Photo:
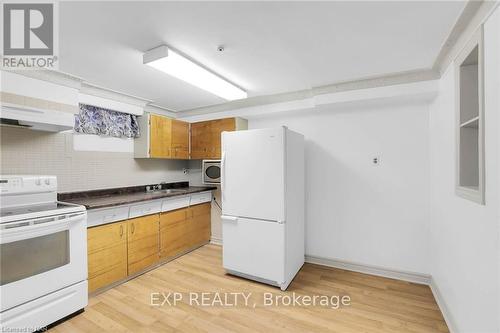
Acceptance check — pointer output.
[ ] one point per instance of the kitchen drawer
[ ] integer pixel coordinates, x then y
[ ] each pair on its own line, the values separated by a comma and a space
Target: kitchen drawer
148, 208
175, 203
199, 198
107, 215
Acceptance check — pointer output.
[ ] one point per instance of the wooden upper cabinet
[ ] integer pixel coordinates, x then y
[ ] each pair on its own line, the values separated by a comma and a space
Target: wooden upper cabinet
179, 139
201, 139
206, 136
160, 136
163, 137
219, 126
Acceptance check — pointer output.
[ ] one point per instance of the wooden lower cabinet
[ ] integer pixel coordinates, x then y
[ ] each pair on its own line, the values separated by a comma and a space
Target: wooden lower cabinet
121, 249
107, 254
174, 232
143, 242
200, 227
184, 229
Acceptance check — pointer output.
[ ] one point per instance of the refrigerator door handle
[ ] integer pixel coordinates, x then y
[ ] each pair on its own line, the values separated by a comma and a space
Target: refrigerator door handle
223, 176
233, 219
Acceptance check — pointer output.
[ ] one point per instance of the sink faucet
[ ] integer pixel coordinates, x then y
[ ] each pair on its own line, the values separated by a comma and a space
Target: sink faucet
152, 188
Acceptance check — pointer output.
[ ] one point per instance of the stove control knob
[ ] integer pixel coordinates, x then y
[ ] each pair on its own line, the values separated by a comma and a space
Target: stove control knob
47, 181
38, 182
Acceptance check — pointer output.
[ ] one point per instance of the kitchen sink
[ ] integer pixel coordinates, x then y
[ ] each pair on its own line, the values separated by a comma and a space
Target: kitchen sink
158, 189
172, 190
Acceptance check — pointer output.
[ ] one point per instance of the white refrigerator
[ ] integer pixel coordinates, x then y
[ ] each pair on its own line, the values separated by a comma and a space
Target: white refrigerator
262, 184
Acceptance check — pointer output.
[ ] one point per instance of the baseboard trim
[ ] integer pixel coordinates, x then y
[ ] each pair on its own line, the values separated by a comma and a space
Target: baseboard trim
370, 269
216, 241
448, 318
392, 274
383, 272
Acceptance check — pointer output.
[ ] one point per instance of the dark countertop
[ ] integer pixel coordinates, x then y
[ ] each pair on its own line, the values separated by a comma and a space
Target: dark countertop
126, 195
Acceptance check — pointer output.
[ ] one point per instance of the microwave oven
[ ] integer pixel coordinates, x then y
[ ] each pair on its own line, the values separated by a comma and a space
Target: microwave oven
211, 171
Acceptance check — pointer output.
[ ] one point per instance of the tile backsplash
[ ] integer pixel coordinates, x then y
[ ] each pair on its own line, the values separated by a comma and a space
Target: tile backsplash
24, 151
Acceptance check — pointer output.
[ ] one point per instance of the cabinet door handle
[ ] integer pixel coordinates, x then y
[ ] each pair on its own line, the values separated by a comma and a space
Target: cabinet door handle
133, 228
121, 231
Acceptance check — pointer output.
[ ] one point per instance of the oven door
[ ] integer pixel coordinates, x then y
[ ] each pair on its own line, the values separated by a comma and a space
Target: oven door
211, 171
40, 256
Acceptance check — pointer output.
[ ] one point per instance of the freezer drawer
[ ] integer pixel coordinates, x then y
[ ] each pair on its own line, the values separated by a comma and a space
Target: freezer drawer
254, 247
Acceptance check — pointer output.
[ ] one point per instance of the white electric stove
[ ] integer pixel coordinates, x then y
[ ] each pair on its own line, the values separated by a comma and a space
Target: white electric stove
43, 254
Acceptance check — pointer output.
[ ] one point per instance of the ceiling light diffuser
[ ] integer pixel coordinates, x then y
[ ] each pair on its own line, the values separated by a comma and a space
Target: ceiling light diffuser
172, 63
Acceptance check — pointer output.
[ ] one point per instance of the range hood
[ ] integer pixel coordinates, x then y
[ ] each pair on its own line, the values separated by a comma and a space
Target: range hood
36, 119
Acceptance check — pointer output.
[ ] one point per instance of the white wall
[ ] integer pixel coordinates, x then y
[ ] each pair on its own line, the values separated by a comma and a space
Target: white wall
24, 151
357, 212
464, 236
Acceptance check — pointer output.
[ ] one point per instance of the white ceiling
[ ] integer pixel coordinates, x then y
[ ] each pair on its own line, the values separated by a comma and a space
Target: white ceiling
270, 47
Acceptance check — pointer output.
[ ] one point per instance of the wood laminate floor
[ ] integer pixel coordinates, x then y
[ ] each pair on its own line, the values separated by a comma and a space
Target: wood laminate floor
376, 304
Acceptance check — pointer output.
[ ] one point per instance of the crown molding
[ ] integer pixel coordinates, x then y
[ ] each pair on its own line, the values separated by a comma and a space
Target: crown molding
457, 30
56, 77
473, 15
83, 87
152, 108
283, 99
98, 91
414, 92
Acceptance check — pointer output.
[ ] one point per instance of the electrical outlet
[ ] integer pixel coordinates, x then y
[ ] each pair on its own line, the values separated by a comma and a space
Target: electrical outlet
376, 161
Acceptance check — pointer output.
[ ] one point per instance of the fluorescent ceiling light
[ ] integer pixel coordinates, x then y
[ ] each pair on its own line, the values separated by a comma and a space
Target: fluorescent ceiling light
172, 63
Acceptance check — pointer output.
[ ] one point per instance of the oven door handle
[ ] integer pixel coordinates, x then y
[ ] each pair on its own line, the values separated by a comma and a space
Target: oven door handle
37, 227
